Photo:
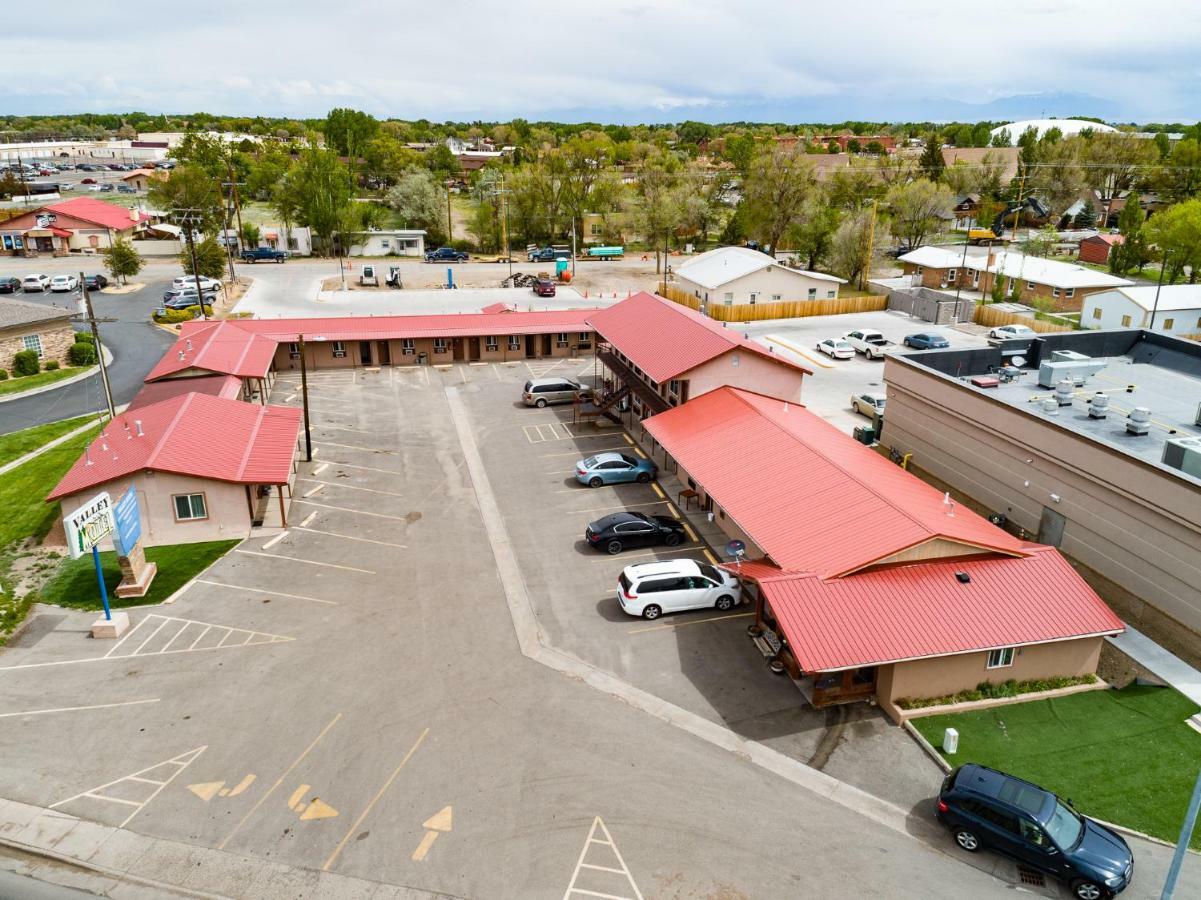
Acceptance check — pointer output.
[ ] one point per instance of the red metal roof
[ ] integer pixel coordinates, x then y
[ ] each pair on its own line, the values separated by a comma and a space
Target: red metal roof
665, 339
814, 499
922, 610
228, 387
498, 308
225, 347
89, 209
193, 434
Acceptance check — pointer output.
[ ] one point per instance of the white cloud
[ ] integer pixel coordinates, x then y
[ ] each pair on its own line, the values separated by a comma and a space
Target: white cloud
654, 59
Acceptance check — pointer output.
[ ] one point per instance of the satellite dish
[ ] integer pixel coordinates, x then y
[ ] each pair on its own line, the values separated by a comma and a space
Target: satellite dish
736, 549
1019, 361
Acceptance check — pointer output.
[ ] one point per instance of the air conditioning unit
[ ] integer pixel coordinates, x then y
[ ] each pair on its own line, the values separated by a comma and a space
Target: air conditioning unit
339, 354
1183, 454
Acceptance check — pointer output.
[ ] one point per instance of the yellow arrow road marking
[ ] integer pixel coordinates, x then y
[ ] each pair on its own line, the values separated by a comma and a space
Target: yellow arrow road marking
242, 785
297, 795
424, 847
206, 791
440, 821
318, 810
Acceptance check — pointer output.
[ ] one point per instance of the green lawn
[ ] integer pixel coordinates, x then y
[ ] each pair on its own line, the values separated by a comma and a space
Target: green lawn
1123, 756
17, 444
75, 583
41, 379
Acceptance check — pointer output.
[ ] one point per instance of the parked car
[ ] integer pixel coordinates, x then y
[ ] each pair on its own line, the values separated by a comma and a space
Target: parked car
544, 287
548, 254
986, 808
125, 189
182, 298
837, 348
35, 283
651, 589
619, 531
95, 282
262, 254
208, 285
868, 404
62, 283
9, 284
541, 391
87, 180
926, 340
446, 254
871, 344
614, 468
1012, 332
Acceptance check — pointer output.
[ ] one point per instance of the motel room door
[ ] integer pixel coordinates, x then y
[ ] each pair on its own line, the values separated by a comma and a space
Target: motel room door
458, 349
546, 345
473, 349
385, 353
531, 346
365, 353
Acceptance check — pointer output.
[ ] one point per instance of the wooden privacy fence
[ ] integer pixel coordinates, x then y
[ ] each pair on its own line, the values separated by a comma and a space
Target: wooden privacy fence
991, 318
776, 309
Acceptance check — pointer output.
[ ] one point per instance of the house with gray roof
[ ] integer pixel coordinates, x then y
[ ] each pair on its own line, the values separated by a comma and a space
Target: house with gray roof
34, 326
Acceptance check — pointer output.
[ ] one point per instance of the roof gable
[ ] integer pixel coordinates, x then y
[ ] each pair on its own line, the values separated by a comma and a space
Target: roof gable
223, 348
97, 212
720, 266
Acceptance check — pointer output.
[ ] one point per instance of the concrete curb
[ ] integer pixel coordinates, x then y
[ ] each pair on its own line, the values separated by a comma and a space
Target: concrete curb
533, 644
90, 373
995, 702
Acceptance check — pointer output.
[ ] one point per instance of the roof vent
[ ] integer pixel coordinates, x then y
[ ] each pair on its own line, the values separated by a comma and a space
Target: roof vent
1050, 407
948, 503
1065, 391
1138, 421
188, 345
137, 426
1098, 406
963, 577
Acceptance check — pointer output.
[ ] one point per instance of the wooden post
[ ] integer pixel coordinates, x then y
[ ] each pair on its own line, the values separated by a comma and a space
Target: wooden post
283, 515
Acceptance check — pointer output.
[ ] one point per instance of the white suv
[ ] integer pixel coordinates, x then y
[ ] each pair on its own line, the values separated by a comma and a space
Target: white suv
62, 283
208, 285
651, 589
35, 283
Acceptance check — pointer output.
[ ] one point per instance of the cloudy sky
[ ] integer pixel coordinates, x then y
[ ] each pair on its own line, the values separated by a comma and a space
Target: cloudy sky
612, 60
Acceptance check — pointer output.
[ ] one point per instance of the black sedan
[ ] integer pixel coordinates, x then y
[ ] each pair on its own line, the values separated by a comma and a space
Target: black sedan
9, 285
618, 531
95, 282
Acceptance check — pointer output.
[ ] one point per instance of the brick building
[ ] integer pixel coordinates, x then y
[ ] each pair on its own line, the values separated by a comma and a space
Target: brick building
32, 326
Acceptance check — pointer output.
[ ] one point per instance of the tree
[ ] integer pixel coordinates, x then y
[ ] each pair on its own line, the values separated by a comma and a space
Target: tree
1133, 252
347, 131
1059, 179
777, 186
852, 243
853, 146
917, 208
420, 202
122, 260
1180, 177
997, 291
386, 158
210, 259
443, 163
1028, 155
1001, 139
190, 197
851, 187
814, 236
1176, 232
1041, 242
1163, 144
657, 208
931, 162
1087, 217
320, 189
1113, 161
875, 148
250, 234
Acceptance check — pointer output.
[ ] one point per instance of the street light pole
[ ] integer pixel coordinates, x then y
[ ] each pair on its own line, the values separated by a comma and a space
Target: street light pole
1163, 264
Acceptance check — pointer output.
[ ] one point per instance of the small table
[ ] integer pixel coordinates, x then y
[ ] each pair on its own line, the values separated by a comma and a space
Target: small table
685, 498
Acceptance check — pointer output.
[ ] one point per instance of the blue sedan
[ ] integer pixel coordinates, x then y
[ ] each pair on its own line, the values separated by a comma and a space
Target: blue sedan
614, 468
926, 340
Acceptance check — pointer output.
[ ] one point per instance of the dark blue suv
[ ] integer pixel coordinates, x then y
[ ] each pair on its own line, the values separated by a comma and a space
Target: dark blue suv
987, 808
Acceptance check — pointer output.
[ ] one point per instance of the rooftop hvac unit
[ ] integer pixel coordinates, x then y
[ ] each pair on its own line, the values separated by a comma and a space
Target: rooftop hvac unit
1067, 356
1054, 371
1065, 391
1138, 421
1183, 454
1098, 406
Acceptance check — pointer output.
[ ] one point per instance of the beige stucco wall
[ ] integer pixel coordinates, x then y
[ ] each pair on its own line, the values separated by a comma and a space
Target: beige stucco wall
788, 283
942, 675
751, 372
57, 338
1131, 522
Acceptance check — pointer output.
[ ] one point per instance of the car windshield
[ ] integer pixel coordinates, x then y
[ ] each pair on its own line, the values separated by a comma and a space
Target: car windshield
1065, 826
711, 573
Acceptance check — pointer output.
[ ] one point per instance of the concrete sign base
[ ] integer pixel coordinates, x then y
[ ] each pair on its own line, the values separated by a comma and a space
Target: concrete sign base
111, 628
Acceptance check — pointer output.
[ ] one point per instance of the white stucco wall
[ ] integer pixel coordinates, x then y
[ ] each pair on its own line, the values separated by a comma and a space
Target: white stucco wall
764, 284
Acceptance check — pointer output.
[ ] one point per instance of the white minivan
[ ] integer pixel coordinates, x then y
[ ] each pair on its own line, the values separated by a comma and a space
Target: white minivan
651, 589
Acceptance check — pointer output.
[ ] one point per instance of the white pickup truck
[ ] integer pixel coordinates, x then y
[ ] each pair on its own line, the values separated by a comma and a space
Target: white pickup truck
871, 344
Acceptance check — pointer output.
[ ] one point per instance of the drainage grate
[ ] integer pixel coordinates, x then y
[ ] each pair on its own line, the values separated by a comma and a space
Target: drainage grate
1031, 877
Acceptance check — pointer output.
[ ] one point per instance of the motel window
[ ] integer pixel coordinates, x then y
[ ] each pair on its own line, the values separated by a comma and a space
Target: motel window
830, 295
33, 342
339, 349
728, 298
1096, 312
294, 350
561, 339
514, 342
439, 345
777, 297
1168, 323
812, 293
189, 507
585, 336
674, 386
490, 342
1069, 292
1125, 321
1000, 658
408, 346
952, 274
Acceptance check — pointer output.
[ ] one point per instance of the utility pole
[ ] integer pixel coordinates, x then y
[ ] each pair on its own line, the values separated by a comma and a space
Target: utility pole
188, 218
871, 246
229, 250
1163, 264
304, 393
1017, 213
504, 221
92, 323
573, 253
237, 206
1182, 843
450, 228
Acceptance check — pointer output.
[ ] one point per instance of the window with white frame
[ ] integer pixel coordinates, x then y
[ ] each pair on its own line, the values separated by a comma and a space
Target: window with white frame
952, 274
1125, 321
595, 229
754, 297
561, 339
408, 346
1070, 292
673, 386
812, 293
1000, 658
440, 345
728, 298
1096, 312
490, 342
777, 297
514, 342
585, 335
33, 342
1054, 292
340, 347
1030, 285
830, 295
189, 507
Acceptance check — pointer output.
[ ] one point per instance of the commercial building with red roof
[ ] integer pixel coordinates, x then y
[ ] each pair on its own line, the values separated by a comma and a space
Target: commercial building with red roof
876, 584
661, 354
81, 223
205, 467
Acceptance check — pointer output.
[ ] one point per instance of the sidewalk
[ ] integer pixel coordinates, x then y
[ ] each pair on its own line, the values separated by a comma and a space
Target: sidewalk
1171, 668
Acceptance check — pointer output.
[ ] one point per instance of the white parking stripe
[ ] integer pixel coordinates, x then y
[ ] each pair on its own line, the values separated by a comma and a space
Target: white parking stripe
311, 562
357, 512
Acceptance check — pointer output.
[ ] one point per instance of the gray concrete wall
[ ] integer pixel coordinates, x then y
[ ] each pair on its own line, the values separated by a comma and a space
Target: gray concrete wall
1136, 526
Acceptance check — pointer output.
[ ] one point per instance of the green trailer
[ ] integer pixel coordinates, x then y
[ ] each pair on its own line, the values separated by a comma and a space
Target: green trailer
606, 252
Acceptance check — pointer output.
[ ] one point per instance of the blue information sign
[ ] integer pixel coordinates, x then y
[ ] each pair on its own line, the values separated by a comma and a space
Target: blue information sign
129, 522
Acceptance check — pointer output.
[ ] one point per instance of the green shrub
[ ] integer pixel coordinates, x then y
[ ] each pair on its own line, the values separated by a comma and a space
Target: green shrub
85, 337
26, 363
175, 316
82, 354
3, 374
52, 366
988, 690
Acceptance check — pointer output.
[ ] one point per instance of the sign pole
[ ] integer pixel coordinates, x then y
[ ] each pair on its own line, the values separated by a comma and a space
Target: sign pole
108, 615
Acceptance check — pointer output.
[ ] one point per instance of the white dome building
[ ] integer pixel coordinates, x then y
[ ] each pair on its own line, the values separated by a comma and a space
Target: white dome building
1042, 126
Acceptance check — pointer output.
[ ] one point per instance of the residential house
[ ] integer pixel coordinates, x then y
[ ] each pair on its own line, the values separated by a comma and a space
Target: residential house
386, 242
1096, 248
82, 223
967, 207
736, 275
34, 326
141, 179
1177, 309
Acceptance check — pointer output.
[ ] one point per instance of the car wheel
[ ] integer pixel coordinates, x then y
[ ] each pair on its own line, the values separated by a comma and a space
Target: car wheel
967, 840
540, 403
1087, 890
596, 481
673, 540
644, 478
651, 612
725, 603
614, 547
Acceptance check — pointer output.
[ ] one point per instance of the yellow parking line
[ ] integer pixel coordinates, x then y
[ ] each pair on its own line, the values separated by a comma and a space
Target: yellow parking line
711, 557
658, 491
795, 348
691, 534
690, 622
629, 440
638, 450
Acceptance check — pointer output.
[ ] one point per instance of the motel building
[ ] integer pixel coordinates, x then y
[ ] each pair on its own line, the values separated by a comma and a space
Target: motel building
655, 355
868, 584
